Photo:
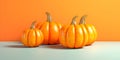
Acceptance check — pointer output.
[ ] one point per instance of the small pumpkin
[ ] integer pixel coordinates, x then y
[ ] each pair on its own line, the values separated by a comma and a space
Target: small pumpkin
32, 37
89, 30
72, 36
50, 30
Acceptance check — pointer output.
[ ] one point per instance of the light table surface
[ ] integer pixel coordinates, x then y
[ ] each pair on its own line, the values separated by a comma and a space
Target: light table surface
98, 51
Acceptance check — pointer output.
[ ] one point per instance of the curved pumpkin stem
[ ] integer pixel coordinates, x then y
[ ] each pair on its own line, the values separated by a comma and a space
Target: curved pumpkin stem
74, 20
49, 19
82, 20
33, 25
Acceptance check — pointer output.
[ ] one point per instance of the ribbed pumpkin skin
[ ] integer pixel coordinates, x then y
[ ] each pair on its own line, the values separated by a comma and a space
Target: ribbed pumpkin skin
91, 35
50, 30
32, 37
72, 36
77, 35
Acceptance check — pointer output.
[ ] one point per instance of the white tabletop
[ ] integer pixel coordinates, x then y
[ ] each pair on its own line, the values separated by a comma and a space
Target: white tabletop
98, 51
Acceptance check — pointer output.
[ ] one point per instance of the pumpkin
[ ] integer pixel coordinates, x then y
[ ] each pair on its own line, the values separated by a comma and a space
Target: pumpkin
50, 30
32, 37
72, 36
89, 30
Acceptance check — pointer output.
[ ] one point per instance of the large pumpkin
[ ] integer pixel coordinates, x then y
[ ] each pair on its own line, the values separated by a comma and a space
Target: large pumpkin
89, 30
72, 36
32, 37
50, 30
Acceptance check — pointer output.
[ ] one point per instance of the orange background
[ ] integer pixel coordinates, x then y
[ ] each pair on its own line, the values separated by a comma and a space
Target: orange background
17, 15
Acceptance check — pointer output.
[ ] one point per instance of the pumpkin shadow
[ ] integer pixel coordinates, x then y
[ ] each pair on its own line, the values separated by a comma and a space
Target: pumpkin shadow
54, 46
57, 47
16, 46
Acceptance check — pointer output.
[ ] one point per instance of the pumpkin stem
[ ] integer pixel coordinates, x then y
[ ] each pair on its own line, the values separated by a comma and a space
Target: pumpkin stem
74, 20
82, 20
33, 25
48, 17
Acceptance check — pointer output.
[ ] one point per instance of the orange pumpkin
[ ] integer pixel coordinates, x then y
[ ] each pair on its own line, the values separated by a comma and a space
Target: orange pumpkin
89, 30
32, 37
72, 36
50, 30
